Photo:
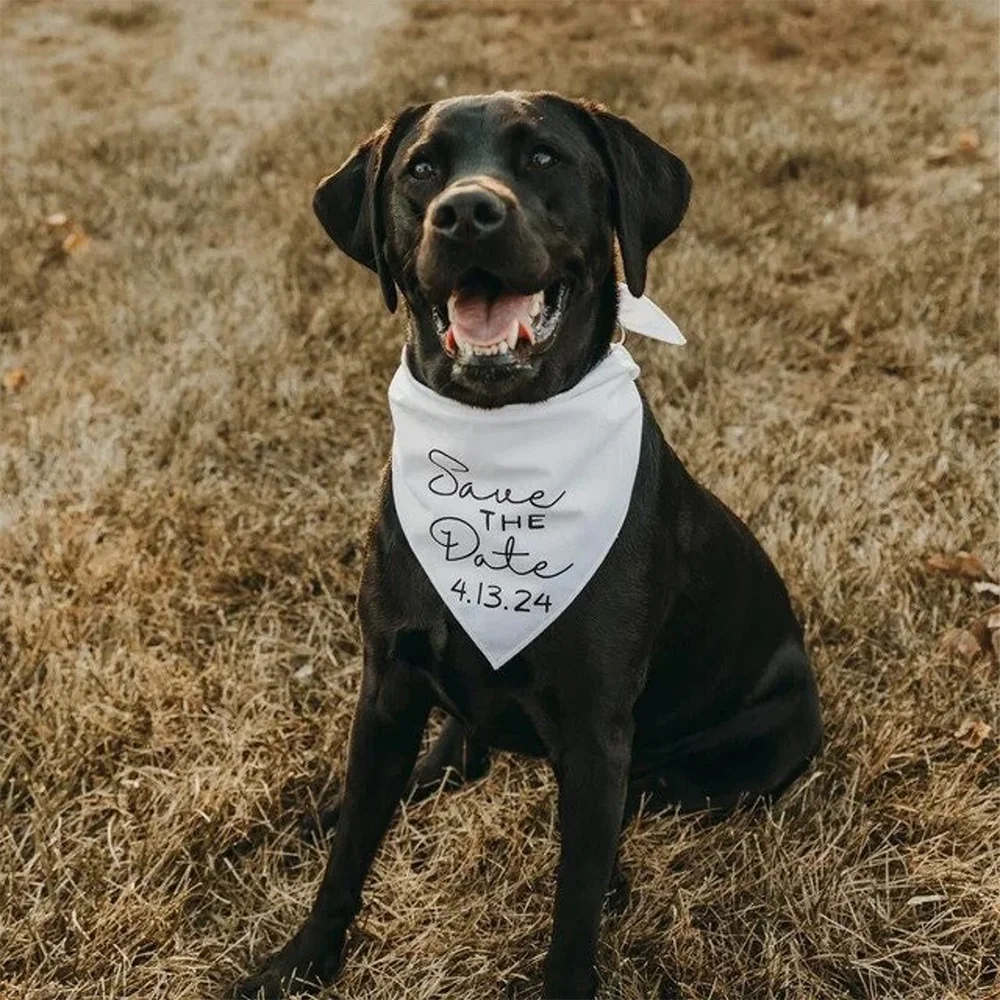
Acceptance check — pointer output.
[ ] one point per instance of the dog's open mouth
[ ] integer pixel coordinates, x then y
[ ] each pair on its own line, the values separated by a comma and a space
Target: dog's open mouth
486, 320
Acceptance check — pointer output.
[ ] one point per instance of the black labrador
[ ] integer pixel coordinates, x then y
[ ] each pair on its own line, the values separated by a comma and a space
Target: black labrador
678, 675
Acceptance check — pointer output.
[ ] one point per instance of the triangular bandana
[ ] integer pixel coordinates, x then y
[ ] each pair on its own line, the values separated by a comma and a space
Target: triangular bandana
510, 511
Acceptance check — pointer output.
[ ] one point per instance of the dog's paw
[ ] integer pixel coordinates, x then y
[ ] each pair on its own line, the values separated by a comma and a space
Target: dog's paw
305, 965
274, 983
558, 991
265, 986
318, 826
572, 981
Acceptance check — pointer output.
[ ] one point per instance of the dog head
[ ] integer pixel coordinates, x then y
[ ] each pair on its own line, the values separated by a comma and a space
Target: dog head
495, 216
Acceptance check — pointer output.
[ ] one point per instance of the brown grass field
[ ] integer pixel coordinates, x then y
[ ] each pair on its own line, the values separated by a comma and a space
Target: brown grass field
194, 420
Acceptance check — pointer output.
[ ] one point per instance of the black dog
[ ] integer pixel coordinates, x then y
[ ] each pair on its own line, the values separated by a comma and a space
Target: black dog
678, 674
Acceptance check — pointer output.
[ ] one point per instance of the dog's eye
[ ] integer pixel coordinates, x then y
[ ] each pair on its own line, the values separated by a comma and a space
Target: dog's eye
542, 158
422, 170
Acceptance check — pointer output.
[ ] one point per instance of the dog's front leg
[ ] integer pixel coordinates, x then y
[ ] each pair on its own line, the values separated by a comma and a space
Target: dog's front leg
389, 719
592, 773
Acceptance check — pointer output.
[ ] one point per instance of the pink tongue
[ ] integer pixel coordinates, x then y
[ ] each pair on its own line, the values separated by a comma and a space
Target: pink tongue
480, 322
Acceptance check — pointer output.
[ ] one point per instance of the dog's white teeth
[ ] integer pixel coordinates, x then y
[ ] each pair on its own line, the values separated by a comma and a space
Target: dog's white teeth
537, 304
464, 348
513, 331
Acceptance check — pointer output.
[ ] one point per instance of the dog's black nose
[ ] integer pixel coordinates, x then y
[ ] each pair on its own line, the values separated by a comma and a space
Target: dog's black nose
468, 213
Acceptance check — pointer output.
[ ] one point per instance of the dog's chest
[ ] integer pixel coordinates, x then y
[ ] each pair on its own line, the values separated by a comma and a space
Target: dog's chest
496, 709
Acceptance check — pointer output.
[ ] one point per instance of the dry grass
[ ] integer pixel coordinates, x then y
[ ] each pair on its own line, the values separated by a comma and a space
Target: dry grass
188, 470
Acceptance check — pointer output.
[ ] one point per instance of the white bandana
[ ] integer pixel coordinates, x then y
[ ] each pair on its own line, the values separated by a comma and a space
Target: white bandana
646, 317
510, 511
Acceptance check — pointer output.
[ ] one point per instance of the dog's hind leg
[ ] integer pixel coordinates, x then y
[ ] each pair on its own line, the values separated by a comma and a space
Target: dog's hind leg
454, 758
751, 756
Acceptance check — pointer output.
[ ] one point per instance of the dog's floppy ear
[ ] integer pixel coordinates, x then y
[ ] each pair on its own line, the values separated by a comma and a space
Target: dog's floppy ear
348, 202
650, 189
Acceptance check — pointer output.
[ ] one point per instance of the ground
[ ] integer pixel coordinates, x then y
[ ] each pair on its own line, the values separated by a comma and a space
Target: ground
194, 420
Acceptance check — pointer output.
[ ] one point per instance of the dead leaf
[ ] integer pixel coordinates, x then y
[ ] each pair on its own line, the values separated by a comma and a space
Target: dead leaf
972, 732
980, 630
987, 588
75, 240
960, 564
56, 219
637, 17
981, 637
941, 467
961, 643
986, 629
15, 379
937, 155
849, 323
967, 141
